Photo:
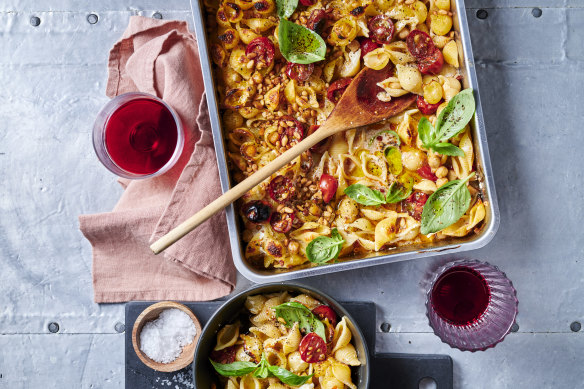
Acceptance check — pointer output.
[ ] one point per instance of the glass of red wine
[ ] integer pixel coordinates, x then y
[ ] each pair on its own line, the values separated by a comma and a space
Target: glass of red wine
471, 305
137, 135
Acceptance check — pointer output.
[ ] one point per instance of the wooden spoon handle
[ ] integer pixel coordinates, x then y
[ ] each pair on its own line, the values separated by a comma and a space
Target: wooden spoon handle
240, 189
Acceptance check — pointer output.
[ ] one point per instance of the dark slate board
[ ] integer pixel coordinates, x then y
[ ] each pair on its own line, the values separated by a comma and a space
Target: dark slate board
401, 371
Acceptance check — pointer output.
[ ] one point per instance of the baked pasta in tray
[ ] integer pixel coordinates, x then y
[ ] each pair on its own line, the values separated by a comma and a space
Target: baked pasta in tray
281, 66
283, 341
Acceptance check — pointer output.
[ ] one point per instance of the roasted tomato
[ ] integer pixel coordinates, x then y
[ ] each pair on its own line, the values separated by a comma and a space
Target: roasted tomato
368, 45
281, 189
431, 64
425, 107
337, 88
426, 172
299, 71
420, 45
256, 211
328, 186
312, 348
414, 205
261, 50
326, 312
225, 356
307, 3
282, 221
321, 146
315, 19
294, 130
264, 7
381, 28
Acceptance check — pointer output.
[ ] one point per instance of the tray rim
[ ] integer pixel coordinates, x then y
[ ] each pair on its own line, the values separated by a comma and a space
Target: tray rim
481, 154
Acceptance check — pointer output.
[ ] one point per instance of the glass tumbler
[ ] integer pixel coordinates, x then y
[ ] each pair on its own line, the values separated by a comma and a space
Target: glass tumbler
471, 305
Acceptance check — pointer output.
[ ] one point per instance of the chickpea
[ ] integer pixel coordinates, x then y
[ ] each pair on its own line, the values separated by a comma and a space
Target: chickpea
443, 4
441, 181
412, 160
440, 24
293, 246
433, 92
434, 161
441, 172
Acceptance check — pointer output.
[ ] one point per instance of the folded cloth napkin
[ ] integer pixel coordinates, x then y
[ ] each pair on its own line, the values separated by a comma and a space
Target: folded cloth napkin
160, 58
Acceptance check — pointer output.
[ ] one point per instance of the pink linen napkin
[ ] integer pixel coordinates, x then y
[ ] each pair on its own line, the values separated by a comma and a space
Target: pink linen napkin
160, 58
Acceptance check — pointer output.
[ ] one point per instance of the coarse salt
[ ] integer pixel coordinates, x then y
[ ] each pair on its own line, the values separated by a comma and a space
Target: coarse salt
163, 339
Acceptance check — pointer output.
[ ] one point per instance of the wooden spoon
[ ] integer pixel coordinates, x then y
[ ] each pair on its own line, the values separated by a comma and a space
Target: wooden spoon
358, 106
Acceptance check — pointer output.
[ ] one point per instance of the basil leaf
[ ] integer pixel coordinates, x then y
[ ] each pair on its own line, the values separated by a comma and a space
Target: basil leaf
235, 369
448, 149
446, 206
262, 371
456, 115
298, 44
397, 193
364, 195
393, 157
286, 8
288, 377
426, 132
294, 312
322, 249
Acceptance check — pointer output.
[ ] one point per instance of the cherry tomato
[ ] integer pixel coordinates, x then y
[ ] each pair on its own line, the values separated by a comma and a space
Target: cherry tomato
415, 204
381, 28
420, 45
337, 88
315, 19
326, 312
432, 63
281, 189
368, 45
307, 3
299, 71
282, 222
312, 348
328, 186
256, 211
263, 48
294, 132
426, 172
425, 107
225, 356
321, 146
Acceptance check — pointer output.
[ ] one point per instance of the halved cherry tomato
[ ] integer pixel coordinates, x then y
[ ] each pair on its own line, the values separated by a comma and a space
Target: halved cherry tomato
426, 172
282, 222
328, 186
298, 71
256, 211
263, 48
420, 45
326, 312
295, 132
381, 28
425, 107
315, 19
337, 88
307, 3
225, 356
415, 204
368, 45
281, 189
431, 64
321, 146
312, 348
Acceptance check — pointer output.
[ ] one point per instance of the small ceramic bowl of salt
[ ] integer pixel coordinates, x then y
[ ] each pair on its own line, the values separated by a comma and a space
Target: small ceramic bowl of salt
165, 336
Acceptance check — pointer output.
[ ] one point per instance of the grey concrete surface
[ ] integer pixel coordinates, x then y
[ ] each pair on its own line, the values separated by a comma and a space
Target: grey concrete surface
52, 81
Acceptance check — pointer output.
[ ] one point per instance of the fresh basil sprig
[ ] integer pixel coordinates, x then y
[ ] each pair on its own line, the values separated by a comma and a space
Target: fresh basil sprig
367, 196
452, 120
263, 369
294, 312
285, 8
298, 44
446, 206
322, 249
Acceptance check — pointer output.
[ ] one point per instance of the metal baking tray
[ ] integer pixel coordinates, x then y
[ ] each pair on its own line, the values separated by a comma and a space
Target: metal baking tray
482, 162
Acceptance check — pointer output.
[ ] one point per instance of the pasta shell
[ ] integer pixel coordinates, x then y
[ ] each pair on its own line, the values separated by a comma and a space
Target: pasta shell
347, 355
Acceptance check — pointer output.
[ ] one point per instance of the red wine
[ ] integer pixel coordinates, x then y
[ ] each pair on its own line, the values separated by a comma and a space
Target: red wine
460, 295
141, 136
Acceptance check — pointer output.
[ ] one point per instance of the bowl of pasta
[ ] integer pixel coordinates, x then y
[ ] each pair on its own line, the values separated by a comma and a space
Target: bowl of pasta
414, 185
281, 335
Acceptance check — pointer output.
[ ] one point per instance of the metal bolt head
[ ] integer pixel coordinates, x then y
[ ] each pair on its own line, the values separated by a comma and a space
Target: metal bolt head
536, 12
575, 326
515, 327
157, 15
482, 14
35, 21
120, 327
385, 327
92, 18
53, 327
